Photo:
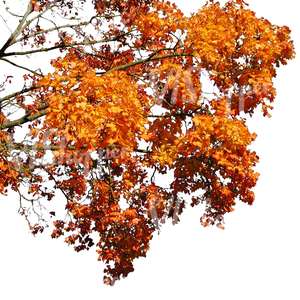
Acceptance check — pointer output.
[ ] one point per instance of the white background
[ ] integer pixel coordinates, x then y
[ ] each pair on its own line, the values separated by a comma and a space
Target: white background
255, 257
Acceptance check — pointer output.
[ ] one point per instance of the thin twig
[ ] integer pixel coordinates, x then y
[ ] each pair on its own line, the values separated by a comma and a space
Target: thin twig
21, 67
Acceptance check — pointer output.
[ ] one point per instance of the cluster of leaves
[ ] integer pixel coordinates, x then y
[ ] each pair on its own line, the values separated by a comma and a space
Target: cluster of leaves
125, 102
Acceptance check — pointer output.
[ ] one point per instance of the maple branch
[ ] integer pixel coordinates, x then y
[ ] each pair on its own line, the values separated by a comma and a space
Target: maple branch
142, 151
56, 28
22, 210
36, 17
15, 94
22, 25
146, 60
38, 147
5, 23
178, 114
60, 46
26, 118
21, 67
18, 30
52, 29
9, 11
57, 183
64, 46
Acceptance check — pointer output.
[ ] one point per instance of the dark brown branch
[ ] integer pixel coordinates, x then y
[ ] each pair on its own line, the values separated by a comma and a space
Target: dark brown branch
146, 60
24, 147
52, 29
21, 67
63, 46
26, 118
15, 94
60, 46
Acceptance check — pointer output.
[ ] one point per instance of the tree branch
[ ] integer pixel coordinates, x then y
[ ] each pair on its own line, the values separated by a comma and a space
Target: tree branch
21, 67
26, 118
64, 46
146, 60
24, 147
53, 29
15, 94
18, 30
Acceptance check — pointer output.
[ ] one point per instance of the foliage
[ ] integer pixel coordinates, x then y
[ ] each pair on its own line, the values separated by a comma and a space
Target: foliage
126, 101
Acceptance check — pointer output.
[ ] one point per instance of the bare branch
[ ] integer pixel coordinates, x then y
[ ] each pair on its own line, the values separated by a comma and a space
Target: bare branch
18, 30
21, 67
6, 25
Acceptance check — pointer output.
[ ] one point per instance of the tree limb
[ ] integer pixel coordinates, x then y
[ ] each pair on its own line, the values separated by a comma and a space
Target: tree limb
15, 94
26, 118
146, 60
21, 67
18, 30
63, 46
